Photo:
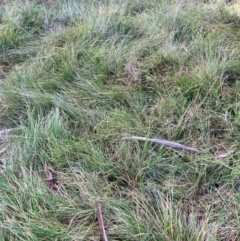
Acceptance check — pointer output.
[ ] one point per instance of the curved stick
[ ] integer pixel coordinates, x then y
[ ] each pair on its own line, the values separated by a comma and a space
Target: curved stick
171, 144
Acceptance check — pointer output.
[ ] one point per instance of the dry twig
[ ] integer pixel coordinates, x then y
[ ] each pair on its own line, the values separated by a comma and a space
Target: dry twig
171, 144
101, 223
175, 145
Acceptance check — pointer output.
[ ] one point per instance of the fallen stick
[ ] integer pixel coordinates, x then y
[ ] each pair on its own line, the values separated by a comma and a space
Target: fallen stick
101, 223
170, 144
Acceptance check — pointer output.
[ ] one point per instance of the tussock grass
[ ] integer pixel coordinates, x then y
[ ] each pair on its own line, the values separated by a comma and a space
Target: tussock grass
76, 76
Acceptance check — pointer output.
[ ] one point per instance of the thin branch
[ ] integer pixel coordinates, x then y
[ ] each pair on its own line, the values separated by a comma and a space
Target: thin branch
170, 144
101, 223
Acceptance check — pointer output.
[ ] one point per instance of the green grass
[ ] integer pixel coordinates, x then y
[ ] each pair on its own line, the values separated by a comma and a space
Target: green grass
76, 77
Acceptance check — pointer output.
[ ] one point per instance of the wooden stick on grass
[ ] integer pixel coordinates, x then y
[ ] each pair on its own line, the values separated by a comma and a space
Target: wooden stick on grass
166, 143
101, 223
175, 145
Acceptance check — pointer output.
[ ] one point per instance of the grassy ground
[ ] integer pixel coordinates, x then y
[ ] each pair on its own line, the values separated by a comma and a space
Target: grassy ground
76, 77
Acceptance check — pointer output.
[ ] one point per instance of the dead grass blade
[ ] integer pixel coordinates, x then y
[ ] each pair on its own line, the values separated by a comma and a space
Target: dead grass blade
224, 155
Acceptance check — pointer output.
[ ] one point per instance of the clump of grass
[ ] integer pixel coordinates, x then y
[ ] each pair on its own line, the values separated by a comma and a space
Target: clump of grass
78, 76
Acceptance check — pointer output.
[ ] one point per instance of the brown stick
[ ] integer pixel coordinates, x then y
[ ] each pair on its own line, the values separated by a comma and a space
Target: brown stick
101, 223
166, 143
175, 145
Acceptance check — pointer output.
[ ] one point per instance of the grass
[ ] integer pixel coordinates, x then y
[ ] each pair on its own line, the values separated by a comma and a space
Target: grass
76, 77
